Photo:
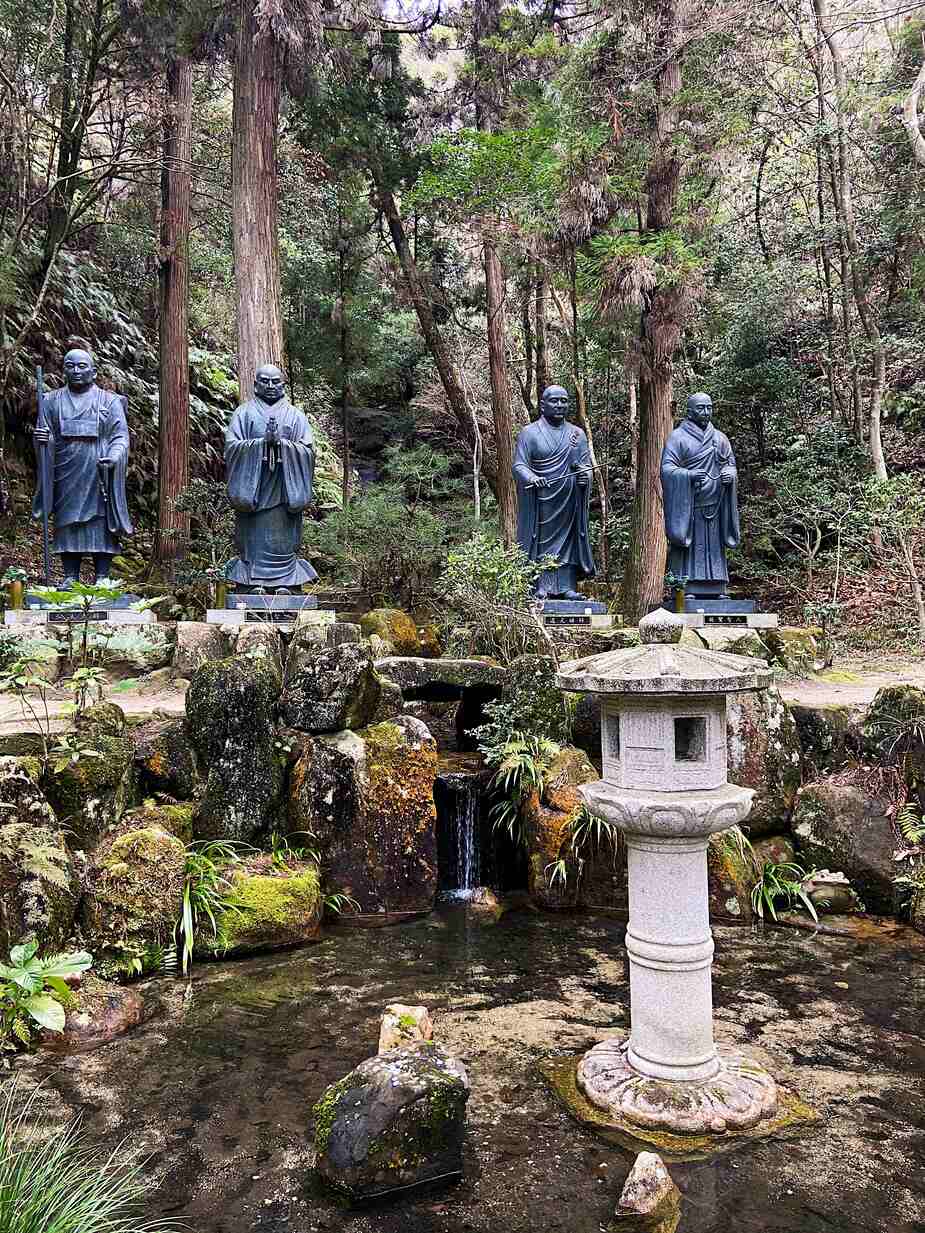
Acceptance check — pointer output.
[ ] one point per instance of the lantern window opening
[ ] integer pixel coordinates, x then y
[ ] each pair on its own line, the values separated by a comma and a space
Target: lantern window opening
690, 738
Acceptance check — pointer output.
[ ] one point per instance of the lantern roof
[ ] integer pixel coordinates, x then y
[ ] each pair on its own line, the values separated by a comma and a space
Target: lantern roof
662, 666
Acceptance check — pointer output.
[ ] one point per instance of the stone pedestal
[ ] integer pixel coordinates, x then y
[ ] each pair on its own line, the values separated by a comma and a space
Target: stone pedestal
565, 612
283, 611
62, 618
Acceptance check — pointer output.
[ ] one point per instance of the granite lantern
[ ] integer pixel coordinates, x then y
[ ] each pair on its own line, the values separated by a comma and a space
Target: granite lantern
665, 787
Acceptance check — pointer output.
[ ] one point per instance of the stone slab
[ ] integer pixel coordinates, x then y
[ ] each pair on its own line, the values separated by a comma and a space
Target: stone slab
74, 617
573, 607
594, 620
560, 1076
281, 619
704, 603
741, 622
274, 603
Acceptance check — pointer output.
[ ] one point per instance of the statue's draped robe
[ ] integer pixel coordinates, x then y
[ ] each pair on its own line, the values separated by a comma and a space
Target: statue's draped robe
89, 511
553, 521
700, 522
269, 499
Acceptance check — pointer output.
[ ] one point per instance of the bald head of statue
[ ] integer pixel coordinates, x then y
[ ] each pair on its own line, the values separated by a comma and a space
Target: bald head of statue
269, 383
79, 369
700, 409
554, 404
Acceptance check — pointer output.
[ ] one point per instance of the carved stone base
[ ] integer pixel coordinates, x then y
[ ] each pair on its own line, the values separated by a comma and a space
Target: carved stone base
739, 1096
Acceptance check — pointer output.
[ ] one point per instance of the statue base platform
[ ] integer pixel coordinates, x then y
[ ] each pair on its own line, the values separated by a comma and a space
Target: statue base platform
43, 617
586, 612
284, 611
717, 604
734, 620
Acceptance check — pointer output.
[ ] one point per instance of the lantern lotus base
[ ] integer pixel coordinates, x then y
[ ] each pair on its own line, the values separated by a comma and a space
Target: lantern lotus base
737, 1097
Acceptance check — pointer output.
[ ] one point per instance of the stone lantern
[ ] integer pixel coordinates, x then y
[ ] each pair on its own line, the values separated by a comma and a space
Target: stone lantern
664, 755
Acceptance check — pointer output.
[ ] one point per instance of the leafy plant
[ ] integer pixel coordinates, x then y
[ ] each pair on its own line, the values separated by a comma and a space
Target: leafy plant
336, 901
31, 993
31, 688
283, 852
586, 834
781, 881
58, 1182
206, 893
522, 764
68, 750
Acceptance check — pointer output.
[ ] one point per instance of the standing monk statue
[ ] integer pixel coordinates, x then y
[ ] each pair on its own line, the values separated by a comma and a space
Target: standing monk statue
699, 491
86, 432
269, 465
552, 467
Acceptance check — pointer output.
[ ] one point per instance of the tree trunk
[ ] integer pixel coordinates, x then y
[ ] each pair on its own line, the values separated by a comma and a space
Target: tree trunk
173, 313
255, 120
660, 327
633, 428
500, 395
542, 356
436, 344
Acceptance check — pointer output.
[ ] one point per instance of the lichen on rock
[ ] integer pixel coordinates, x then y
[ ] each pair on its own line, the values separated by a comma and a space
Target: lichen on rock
163, 757
394, 626
764, 753
328, 689
40, 880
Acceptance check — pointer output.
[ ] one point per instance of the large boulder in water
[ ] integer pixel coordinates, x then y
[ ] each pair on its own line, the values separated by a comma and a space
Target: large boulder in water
841, 826
328, 689
396, 1121
231, 723
269, 908
764, 754
368, 798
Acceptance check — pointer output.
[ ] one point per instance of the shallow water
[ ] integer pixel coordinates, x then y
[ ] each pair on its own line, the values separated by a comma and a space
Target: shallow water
219, 1089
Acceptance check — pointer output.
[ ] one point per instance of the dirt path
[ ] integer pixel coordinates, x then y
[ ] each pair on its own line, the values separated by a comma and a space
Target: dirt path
854, 680
136, 703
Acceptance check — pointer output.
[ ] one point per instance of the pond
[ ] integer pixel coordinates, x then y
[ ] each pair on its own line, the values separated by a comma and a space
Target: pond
217, 1090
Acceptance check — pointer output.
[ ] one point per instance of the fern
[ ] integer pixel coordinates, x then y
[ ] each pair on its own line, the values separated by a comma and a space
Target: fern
28, 848
911, 824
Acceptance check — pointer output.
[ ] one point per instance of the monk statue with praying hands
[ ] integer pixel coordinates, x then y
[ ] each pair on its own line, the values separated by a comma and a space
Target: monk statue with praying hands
552, 467
270, 467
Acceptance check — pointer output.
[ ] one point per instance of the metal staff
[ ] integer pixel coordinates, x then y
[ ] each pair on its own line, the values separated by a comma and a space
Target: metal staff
46, 479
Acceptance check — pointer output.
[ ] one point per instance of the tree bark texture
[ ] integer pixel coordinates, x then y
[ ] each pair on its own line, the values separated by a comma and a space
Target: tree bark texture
495, 290
542, 355
660, 334
172, 534
255, 121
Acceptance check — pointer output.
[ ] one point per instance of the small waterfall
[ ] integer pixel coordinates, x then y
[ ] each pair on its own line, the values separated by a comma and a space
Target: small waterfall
459, 797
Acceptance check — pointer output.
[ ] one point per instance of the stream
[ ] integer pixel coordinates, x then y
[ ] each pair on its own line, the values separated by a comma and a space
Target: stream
216, 1091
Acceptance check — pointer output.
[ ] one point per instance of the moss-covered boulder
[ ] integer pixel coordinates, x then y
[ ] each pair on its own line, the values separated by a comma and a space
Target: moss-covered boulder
231, 724
92, 783
135, 897
548, 826
841, 826
731, 875
174, 819
368, 798
830, 735
197, 643
28, 642
774, 850
328, 689
394, 626
134, 649
795, 648
163, 757
396, 1121
764, 754
893, 733
40, 880
270, 908
732, 640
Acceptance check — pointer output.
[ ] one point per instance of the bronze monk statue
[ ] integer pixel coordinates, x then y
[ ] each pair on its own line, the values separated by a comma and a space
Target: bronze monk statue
86, 432
699, 491
270, 467
552, 467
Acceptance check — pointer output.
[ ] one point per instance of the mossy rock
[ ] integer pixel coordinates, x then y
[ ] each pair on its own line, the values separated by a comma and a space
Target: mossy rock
731, 875
548, 822
43, 652
164, 759
134, 649
731, 641
22, 745
97, 1012
173, 819
270, 910
91, 794
231, 725
395, 1121
103, 717
894, 731
794, 648
135, 898
40, 880
328, 689
830, 735
394, 626
841, 826
764, 752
